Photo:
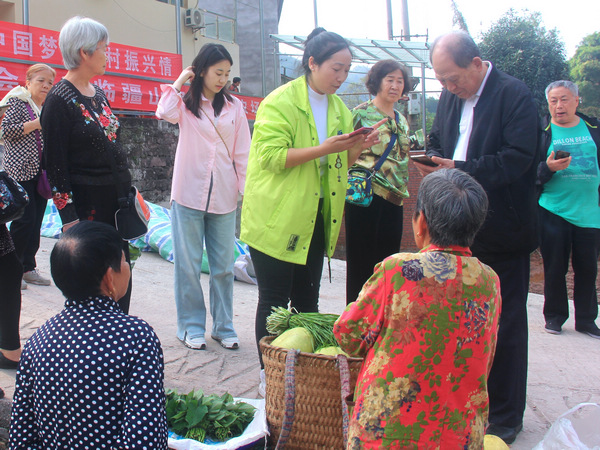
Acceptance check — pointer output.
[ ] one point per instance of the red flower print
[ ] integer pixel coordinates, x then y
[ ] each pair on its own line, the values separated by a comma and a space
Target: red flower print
105, 121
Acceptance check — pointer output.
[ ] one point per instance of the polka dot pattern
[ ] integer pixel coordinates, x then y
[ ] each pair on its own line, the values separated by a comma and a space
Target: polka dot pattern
90, 377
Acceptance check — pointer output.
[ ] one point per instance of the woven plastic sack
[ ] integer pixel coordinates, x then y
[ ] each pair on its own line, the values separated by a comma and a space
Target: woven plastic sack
577, 429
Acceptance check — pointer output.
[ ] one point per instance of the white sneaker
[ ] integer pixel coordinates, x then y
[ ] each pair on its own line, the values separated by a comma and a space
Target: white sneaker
34, 277
262, 386
195, 343
228, 343
23, 284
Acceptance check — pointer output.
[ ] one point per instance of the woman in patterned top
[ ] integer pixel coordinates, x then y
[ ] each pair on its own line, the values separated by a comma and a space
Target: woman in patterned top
91, 377
22, 156
374, 232
426, 324
86, 164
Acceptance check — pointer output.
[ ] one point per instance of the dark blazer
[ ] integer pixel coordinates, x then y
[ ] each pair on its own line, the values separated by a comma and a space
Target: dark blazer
502, 156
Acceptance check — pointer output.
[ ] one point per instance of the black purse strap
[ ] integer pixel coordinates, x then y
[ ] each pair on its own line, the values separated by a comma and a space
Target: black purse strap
385, 154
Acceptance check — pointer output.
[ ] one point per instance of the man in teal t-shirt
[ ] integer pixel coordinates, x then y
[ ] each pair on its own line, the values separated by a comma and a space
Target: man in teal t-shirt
569, 209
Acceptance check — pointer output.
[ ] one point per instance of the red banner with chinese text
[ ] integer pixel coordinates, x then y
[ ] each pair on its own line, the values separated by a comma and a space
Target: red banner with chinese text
133, 75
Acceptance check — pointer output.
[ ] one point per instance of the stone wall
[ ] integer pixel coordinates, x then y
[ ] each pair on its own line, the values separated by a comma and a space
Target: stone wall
150, 145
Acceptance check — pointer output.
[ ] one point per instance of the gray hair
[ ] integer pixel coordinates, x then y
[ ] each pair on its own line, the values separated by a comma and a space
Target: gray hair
80, 33
563, 83
454, 206
460, 45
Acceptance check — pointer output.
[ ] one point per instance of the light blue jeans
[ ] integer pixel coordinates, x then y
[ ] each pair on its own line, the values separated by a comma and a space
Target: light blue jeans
190, 228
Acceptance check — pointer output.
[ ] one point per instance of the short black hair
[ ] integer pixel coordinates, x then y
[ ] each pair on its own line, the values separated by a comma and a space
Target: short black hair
462, 48
81, 257
454, 205
237, 80
380, 70
322, 45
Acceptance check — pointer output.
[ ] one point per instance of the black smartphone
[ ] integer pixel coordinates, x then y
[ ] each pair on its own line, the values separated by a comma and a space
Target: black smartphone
560, 154
423, 159
363, 130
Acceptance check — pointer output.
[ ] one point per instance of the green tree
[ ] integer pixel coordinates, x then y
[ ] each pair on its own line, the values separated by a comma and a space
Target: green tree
520, 45
458, 18
585, 71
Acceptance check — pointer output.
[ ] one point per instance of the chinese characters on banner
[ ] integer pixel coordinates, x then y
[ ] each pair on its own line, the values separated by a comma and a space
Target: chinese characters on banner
133, 75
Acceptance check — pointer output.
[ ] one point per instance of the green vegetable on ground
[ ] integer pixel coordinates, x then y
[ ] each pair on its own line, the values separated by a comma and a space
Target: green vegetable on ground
320, 326
198, 416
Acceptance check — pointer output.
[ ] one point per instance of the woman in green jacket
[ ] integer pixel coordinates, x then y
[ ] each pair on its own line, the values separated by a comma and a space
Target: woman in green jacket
296, 178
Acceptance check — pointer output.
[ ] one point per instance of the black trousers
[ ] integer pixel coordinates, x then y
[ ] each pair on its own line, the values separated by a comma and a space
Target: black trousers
558, 241
100, 203
25, 232
372, 234
507, 383
11, 272
280, 282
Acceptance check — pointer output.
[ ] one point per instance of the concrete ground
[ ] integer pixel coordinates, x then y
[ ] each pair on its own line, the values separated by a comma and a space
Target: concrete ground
564, 370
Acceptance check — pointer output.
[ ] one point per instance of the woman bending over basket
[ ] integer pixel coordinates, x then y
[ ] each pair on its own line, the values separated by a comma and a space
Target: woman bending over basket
426, 324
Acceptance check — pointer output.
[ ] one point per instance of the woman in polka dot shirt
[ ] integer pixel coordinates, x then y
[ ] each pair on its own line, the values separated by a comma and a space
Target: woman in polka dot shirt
91, 377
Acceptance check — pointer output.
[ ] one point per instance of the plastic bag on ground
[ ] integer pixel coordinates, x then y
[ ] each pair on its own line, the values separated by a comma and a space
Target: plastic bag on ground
575, 429
254, 432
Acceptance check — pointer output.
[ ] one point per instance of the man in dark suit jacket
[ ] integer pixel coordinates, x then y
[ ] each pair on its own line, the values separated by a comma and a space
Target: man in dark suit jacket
486, 125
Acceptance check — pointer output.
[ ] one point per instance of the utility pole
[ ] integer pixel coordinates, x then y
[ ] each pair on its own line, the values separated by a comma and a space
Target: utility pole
315, 13
390, 23
405, 25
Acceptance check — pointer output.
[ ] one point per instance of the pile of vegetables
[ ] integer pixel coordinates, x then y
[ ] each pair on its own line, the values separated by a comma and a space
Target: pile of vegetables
308, 332
198, 416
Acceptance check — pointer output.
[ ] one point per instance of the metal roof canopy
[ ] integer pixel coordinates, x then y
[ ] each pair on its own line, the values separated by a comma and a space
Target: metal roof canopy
369, 51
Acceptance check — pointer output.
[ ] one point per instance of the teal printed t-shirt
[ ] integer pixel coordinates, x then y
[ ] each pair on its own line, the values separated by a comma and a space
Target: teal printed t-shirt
573, 193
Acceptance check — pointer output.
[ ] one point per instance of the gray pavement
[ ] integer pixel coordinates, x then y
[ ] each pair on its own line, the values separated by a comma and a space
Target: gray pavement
564, 370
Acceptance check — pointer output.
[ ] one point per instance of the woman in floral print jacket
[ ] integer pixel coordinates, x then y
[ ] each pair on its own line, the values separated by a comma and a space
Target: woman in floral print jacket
426, 324
82, 135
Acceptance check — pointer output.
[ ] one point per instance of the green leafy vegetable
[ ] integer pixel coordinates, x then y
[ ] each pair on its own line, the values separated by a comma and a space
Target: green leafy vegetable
198, 416
320, 326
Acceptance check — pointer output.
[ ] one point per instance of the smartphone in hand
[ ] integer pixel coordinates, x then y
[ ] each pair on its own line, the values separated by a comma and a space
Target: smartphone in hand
561, 155
423, 159
362, 130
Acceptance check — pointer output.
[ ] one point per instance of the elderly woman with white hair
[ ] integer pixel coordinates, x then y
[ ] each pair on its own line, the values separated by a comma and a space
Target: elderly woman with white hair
87, 166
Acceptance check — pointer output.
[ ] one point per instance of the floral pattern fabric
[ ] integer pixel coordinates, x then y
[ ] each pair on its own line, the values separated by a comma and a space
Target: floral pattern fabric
426, 324
82, 145
391, 180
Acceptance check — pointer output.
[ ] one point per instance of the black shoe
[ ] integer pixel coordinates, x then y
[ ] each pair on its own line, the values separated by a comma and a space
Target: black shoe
591, 329
507, 434
6, 363
553, 327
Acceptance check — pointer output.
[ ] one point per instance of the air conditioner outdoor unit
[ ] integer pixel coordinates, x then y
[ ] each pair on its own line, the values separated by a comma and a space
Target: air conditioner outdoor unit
194, 18
414, 103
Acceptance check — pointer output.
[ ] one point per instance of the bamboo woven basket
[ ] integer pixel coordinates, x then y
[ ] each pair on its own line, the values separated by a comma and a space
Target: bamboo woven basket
318, 404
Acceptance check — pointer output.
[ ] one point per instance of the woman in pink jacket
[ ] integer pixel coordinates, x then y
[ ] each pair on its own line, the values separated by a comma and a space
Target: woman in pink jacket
208, 177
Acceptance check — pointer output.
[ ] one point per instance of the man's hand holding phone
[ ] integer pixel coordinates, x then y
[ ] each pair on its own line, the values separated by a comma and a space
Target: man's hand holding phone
558, 161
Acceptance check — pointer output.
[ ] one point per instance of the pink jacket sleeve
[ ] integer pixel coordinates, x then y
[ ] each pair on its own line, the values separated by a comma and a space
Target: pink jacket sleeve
170, 104
241, 147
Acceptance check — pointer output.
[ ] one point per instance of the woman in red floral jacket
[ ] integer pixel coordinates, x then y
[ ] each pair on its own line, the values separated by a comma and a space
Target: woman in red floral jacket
426, 324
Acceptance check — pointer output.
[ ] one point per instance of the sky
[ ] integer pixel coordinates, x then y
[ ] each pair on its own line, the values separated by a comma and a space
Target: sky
368, 18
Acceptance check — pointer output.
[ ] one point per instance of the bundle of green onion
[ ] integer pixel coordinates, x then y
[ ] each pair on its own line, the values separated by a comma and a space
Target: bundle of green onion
320, 326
